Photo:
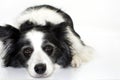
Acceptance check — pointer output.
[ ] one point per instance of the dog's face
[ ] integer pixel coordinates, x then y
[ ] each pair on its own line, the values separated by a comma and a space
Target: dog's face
39, 43
39, 54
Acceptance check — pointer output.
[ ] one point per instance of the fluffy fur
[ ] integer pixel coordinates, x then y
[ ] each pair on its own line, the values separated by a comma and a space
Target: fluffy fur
42, 37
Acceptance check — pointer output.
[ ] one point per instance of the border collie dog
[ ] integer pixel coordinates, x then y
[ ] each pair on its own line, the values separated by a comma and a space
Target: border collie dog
43, 37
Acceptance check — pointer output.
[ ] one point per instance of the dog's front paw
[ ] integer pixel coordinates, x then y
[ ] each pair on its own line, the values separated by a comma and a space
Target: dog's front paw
76, 61
84, 56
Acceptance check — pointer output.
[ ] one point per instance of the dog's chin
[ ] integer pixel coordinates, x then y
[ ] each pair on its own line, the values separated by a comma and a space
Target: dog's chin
40, 75
45, 75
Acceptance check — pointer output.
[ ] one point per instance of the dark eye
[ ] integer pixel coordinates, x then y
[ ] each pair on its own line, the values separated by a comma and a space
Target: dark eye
48, 49
27, 51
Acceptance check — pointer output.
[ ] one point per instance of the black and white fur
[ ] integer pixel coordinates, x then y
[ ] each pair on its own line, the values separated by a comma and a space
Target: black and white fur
42, 37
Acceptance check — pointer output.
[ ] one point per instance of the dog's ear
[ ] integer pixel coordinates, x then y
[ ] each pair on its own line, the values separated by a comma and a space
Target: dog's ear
9, 33
65, 56
60, 32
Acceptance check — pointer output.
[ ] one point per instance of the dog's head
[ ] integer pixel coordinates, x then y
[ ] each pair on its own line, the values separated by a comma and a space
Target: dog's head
39, 41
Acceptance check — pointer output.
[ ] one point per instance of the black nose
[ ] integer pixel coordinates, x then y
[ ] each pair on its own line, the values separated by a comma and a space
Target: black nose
40, 68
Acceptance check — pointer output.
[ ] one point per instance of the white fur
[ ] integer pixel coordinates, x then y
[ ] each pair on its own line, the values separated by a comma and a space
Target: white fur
1, 53
40, 16
80, 53
38, 56
1, 47
3, 50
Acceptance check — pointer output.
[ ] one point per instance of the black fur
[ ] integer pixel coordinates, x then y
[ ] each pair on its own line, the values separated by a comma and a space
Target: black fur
26, 26
14, 57
9, 33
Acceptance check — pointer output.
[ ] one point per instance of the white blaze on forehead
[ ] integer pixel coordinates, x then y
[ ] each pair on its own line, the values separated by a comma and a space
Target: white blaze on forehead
40, 16
36, 38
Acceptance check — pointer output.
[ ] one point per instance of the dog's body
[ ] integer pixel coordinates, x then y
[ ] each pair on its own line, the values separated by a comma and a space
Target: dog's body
44, 36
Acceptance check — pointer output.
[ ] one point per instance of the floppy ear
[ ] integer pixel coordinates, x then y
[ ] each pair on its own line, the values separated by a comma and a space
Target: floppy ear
65, 55
9, 33
10, 36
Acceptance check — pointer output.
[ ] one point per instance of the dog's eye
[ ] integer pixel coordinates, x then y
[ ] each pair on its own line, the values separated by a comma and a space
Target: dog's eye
48, 49
27, 51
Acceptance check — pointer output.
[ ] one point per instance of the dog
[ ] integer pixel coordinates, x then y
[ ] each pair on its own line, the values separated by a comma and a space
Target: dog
42, 37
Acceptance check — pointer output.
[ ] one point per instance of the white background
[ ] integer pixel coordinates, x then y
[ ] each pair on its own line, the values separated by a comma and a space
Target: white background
98, 23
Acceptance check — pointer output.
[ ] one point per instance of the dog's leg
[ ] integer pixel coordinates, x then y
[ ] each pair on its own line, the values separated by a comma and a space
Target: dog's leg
80, 52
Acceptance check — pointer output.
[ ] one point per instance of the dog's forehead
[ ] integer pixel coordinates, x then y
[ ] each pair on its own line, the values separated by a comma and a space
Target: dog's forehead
40, 16
35, 38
